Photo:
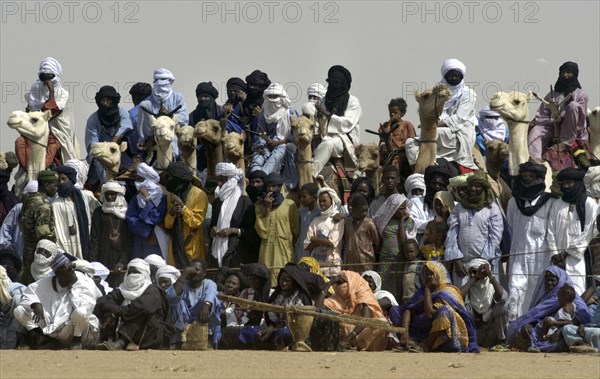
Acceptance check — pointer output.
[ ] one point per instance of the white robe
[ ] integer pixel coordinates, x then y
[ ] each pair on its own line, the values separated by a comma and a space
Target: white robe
420, 213
564, 234
65, 216
529, 255
58, 305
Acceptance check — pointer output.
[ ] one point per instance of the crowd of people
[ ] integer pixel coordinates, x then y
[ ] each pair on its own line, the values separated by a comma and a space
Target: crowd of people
138, 261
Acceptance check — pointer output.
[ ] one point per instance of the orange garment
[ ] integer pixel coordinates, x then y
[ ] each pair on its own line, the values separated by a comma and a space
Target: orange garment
398, 138
23, 151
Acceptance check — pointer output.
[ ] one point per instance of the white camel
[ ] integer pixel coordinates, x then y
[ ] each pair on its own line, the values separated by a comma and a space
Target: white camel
164, 134
109, 156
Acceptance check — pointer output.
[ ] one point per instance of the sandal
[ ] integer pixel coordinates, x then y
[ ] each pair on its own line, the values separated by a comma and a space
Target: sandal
499, 348
416, 349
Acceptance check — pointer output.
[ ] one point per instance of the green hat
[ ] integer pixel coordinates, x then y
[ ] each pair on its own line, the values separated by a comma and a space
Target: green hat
47, 176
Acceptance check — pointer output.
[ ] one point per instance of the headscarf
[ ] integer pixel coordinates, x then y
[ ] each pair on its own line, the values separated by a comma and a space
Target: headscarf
31, 187
261, 271
206, 109
457, 90
108, 114
576, 194
376, 278
523, 192
350, 294
379, 293
5, 297
446, 198
58, 262
167, 271
491, 125
117, 207
314, 266
235, 84
7, 198
277, 110
179, 184
39, 93
275, 179
339, 81
459, 181
40, 268
254, 193
567, 86
102, 272
387, 210
66, 190
316, 89
336, 203
135, 284
163, 81
545, 303
155, 260
229, 193
140, 91
430, 173
481, 293
181, 177
414, 181
82, 169
591, 180
254, 97
360, 180
485, 199
151, 183
9, 256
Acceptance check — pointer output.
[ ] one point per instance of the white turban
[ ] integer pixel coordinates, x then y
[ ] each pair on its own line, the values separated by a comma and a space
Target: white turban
5, 281
155, 260
414, 181
117, 207
162, 74
229, 193
148, 173
453, 64
277, 110
163, 81
316, 89
491, 125
31, 187
40, 268
592, 182
151, 183
481, 294
309, 109
168, 272
39, 93
82, 169
228, 169
103, 273
135, 284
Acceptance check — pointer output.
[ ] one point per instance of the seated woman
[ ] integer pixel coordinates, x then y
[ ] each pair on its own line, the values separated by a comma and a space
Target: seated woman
292, 289
231, 313
435, 317
353, 296
525, 333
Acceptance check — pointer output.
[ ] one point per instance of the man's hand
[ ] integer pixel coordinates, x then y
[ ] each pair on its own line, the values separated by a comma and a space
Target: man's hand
268, 201
227, 232
205, 312
256, 111
433, 283
214, 232
38, 312
144, 192
227, 108
119, 266
322, 110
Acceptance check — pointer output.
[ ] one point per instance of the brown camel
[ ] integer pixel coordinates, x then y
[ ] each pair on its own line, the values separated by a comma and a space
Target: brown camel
304, 129
368, 162
210, 135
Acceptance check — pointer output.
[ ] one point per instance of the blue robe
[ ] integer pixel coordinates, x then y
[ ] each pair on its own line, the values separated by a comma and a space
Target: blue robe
141, 223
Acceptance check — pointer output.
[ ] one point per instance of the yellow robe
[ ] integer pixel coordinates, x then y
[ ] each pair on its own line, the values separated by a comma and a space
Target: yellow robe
279, 230
194, 212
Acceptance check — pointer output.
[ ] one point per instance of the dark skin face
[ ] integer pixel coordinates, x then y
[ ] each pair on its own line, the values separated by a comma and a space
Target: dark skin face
256, 182
475, 189
200, 274
63, 179
363, 188
402, 211
438, 207
438, 184
221, 180
453, 77
306, 199
106, 101
287, 284
426, 275
371, 282
232, 285
164, 283
66, 275
527, 176
550, 280
567, 74
50, 188
395, 112
430, 236
390, 181
566, 183
256, 282
360, 213
325, 201
462, 191
563, 298
110, 196
43, 251
411, 251
417, 192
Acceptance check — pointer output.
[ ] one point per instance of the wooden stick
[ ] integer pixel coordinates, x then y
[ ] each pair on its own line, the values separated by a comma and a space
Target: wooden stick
345, 319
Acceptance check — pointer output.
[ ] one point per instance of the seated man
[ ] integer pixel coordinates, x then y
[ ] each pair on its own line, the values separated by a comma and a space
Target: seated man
570, 117
393, 135
59, 307
140, 309
338, 115
10, 297
195, 298
491, 126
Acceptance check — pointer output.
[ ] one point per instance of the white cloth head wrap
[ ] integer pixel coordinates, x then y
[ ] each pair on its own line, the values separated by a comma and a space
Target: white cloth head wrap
135, 284
309, 109
40, 268
103, 273
457, 90
31, 187
327, 226
277, 110
387, 210
155, 260
414, 181
229, 193
82, 169
117, 207
5, 281
163, 81
591, 180
316, 89
481, 294
168, 272
491, 128
376, 278
151, 183
39, 93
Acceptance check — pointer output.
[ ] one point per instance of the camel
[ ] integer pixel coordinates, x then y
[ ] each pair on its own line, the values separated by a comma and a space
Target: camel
164, 133
304, 130
109, 156
209, 133
431, 105
594, 132
186, 138
233, 147
368, 162
33, 126
496, 154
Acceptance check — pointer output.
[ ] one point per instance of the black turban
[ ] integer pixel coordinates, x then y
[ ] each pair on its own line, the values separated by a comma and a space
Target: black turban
564, 85
538, 169
236, 84
8, 256
259, 78
141, 89
207, 88
70, 172
273, 179
180, 170
575, 194
107, 91
339, 80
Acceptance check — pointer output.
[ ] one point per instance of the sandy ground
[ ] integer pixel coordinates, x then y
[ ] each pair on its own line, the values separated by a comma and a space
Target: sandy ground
267, 364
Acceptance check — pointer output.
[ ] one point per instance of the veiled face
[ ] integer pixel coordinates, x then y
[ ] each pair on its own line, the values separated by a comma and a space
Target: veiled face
342, 289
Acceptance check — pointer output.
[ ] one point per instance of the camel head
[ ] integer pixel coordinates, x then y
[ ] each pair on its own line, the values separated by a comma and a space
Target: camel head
496, 151
304, 130
31, 125
209, 132
431, 101
186, 136
233, 145
368, 157
109, 153
511, 105
594, 116
164, 127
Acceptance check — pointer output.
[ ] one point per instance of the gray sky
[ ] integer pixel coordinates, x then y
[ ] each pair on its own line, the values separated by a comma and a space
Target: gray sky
390, 47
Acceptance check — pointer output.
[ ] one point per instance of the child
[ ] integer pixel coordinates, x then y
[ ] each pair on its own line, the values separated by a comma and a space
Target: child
443, 203
324, 236
360, 236
308, 212
433, 241
398, 131
564, 316
412, 270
